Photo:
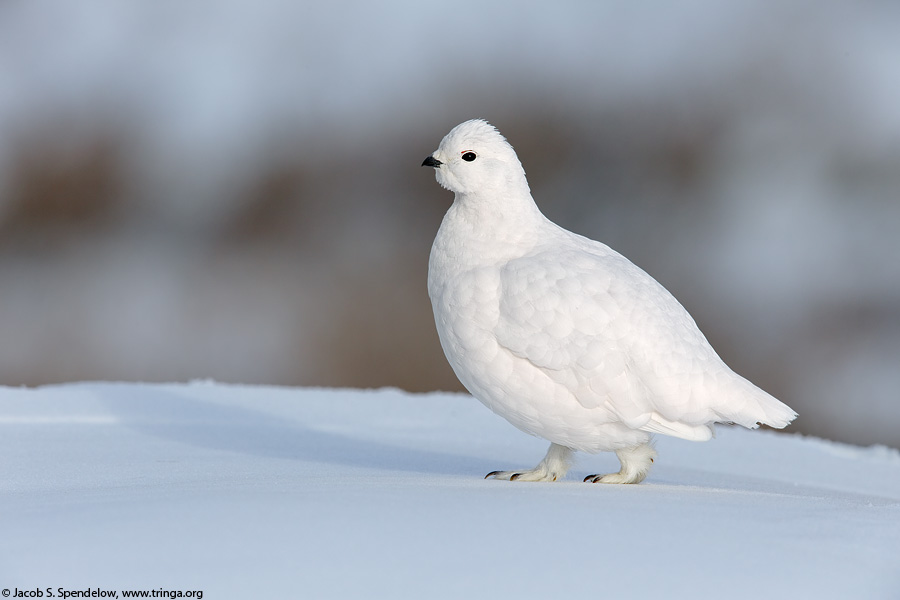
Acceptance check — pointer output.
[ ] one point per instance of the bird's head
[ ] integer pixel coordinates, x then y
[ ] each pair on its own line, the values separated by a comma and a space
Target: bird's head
474, 158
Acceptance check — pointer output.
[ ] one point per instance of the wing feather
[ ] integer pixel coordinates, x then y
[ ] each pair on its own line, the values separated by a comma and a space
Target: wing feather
602, 328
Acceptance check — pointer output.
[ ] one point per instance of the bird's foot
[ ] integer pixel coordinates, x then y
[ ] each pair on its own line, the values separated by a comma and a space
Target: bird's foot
554, 466
536, 474
636, 464
613, 478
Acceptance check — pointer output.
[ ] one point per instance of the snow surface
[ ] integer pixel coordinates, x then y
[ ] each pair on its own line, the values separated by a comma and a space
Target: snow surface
311, 493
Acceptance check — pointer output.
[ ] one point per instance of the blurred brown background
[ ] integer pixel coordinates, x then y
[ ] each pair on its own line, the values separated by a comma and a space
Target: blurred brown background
232, 190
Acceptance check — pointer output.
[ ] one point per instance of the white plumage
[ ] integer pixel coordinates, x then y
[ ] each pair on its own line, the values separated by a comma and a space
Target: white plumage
561, 335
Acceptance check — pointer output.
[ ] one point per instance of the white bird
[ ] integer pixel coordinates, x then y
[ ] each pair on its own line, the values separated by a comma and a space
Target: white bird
562, 336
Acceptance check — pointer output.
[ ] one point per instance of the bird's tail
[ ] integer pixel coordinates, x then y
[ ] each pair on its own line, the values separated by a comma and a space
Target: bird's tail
751, 407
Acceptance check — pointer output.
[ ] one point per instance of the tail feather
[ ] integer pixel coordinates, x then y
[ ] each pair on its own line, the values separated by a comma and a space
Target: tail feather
777, 414
755, 407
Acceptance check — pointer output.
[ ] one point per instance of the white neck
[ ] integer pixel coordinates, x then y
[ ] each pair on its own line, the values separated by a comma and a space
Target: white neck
483, 230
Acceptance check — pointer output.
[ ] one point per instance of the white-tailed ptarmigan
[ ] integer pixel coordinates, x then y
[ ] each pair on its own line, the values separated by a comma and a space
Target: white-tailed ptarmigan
561, 335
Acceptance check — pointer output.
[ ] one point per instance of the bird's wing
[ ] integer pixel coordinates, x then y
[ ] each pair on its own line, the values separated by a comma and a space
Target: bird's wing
615, 338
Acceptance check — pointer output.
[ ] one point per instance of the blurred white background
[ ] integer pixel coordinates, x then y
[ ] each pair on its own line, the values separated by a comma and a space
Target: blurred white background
231, 189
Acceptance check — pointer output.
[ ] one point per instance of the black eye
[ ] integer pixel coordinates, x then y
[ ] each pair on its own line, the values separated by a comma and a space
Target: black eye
468, 156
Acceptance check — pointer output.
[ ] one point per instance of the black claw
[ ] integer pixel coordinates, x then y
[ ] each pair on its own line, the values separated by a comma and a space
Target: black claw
514, 476
492, 474
591, 478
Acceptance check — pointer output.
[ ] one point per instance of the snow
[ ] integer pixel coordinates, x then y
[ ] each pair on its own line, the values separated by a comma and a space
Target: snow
243, 491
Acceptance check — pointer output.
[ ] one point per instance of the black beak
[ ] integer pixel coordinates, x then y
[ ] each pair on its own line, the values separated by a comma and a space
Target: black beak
431, 162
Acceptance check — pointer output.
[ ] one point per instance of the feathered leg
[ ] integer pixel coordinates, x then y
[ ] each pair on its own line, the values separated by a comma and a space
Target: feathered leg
554, 466
636, 463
